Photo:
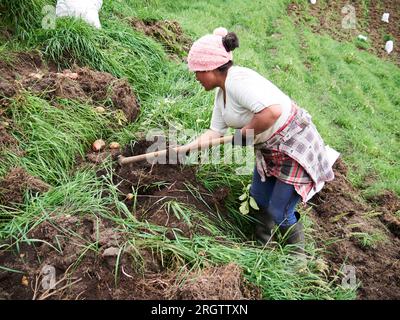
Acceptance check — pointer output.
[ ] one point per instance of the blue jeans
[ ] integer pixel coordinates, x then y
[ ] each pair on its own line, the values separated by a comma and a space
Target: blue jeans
279, 199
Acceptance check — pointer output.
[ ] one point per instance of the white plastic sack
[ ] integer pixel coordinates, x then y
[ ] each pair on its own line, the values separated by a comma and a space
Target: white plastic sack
389, 46
385, 17
88, 10
361, 37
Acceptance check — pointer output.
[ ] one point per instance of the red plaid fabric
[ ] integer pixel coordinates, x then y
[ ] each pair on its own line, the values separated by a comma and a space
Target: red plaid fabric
283, 167
296, 154
287, 170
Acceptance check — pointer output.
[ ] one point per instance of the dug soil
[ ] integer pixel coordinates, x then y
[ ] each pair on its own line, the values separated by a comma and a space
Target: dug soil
168, 33
16, 183
353, 232
7, 141
94, 276
27, 71
329, 19
141, 275
150, 187
343, 224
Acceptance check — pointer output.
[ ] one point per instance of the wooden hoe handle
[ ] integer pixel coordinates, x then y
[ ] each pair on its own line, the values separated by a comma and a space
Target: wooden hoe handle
182, 149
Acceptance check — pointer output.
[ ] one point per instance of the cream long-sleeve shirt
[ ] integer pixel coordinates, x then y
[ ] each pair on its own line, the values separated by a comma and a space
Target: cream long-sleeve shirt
247, 93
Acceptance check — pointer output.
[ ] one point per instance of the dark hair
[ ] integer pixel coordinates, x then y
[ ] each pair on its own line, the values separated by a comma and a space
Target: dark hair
224, 68
230, 41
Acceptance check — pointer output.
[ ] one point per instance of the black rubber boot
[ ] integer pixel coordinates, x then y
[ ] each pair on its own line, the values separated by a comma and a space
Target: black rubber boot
294, 235
263, 227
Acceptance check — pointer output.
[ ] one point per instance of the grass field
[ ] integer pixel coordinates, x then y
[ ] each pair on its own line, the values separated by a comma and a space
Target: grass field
352, 95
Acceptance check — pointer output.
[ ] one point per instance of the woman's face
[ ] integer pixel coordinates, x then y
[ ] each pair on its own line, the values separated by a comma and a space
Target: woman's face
207, 79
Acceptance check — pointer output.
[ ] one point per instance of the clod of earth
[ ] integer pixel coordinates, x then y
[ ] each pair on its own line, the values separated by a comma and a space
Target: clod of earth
169, 33
16, 183
389, 203
111, 252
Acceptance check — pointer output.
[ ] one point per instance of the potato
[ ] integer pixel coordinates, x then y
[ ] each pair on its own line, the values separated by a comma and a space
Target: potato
129, 196
100, 110
25, 281
114, 145
98, 145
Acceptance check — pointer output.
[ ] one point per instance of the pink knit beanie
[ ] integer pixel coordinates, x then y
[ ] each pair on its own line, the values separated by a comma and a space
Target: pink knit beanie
209, 53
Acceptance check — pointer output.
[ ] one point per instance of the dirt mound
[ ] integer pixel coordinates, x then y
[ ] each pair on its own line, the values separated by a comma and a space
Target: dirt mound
5, 138
16, 183
329, 21
86, 85
29, 72
338, 196
61, 246
19, 64
79, 273
15, 68
169, 33
216, 283
389, 203
351, 232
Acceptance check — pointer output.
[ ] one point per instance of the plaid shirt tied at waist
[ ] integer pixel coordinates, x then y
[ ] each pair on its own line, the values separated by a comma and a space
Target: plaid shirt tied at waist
296, 154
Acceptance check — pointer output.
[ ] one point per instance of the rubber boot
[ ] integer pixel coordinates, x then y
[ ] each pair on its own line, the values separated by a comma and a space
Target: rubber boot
294, 235
264, 225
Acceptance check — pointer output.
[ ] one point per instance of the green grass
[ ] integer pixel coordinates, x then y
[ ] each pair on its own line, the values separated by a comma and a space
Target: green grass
79, 195
352, 95
23, 16
52, 137
370, 240
116, 49
273, 270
